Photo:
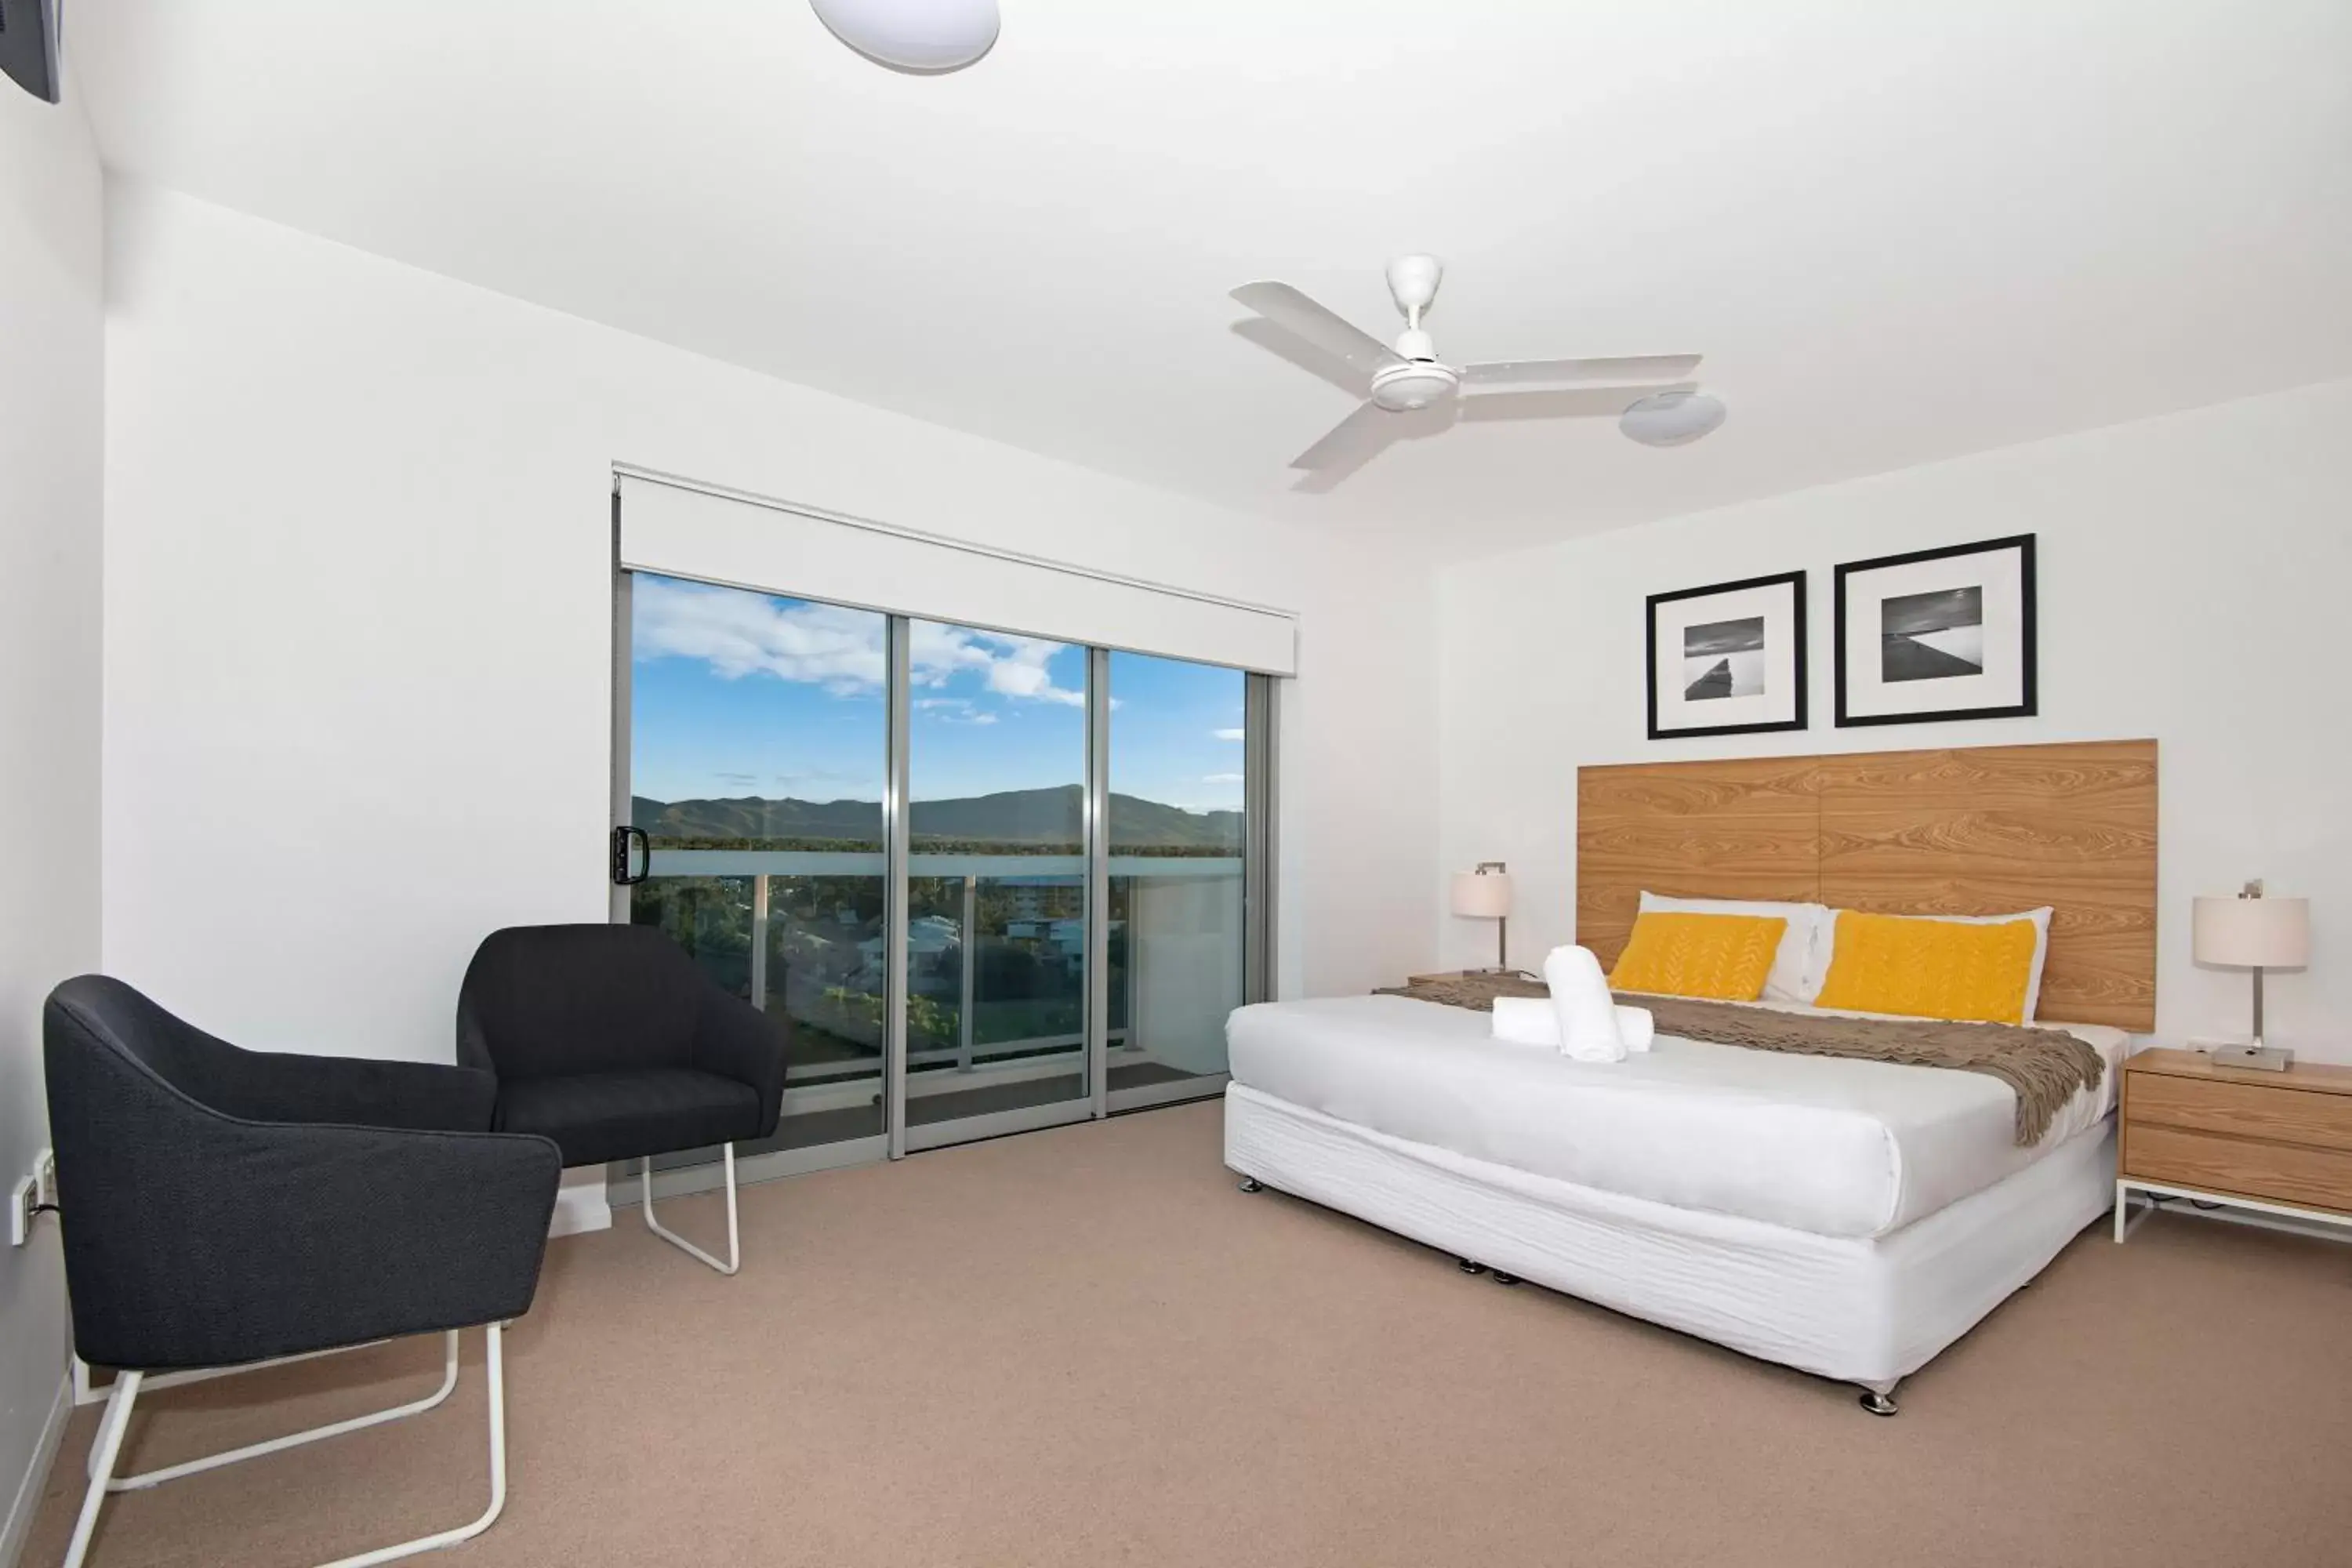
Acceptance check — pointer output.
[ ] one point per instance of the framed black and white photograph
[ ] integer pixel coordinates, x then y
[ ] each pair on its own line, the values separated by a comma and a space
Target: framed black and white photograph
1728, 660
1938, 634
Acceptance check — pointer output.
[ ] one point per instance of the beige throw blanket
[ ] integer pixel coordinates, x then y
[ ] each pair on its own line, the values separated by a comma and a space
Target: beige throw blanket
2044, 1066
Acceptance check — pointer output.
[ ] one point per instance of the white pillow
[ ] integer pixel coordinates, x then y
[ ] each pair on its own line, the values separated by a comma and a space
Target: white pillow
1827, 945
1792, 964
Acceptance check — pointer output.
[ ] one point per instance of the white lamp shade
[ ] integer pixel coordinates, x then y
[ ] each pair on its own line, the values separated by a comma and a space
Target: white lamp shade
1487, 896
2266, 933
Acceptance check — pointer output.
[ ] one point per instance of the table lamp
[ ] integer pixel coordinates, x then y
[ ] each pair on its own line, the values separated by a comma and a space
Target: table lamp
1485, 894
2251, 931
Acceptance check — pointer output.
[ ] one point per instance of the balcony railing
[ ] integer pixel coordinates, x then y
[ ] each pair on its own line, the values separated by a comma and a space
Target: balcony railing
941, 1067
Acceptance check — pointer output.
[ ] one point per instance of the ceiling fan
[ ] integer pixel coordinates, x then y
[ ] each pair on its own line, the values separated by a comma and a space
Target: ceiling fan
1409, 391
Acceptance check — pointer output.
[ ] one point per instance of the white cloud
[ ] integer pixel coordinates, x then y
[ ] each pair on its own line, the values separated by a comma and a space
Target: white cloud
1226, 735
1011, 666
739, 634
1222, 778
953, 710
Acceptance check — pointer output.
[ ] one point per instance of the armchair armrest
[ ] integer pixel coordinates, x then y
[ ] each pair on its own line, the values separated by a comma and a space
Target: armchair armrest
264, 1086
237, 1241
737, 1040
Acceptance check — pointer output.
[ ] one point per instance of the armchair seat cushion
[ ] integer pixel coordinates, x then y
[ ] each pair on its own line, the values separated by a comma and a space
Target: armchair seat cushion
599, 1116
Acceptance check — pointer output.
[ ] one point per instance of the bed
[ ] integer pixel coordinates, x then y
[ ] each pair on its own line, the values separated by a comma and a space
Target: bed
1850, 1218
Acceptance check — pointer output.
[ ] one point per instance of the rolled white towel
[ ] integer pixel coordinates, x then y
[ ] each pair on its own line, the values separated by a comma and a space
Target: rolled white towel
1530, 1021
1588, 1013
1527, 1021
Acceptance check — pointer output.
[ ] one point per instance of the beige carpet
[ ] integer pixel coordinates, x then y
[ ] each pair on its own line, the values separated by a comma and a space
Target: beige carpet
1085, 1347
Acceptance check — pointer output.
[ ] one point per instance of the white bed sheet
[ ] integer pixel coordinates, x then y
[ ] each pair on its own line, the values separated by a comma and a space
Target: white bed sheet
1824, 1144
1867, 1311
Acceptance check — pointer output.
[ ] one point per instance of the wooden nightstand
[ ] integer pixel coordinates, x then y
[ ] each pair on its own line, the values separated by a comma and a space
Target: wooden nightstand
2277, 1142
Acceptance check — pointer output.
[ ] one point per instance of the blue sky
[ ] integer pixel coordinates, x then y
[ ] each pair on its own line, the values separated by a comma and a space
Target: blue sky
737, 693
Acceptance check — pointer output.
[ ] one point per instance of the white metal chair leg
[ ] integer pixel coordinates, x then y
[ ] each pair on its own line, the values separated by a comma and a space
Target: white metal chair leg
734, 1239
111, 1427
498, 1383
126, 1391
85, 1392
295, 1440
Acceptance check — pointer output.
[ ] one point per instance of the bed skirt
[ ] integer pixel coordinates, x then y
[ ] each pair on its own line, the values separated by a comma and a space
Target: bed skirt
1866, 1310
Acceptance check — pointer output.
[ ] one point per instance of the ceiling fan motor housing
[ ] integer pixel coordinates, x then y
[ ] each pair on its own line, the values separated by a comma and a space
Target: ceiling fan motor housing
1416, 384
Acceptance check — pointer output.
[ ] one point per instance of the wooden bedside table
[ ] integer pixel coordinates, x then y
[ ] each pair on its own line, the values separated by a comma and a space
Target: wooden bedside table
2277, 1142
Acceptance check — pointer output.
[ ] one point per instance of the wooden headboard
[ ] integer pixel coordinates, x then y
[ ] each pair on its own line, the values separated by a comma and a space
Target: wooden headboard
1976, 830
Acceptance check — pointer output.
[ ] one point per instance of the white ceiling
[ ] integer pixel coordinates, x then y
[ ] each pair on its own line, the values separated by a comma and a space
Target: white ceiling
1899, 232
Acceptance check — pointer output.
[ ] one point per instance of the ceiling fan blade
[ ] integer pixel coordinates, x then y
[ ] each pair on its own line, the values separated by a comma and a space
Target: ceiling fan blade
1562, 403
1289, 345
1552, 371
1361, 437
1288, 307
1351, 443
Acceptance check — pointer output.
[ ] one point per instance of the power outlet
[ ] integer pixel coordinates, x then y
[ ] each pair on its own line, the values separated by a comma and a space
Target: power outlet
30, 1196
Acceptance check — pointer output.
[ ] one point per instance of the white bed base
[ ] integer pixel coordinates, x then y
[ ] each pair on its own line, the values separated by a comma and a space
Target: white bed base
1863, 1311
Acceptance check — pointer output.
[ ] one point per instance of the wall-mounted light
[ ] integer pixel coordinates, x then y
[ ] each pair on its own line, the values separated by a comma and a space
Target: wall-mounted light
926, 36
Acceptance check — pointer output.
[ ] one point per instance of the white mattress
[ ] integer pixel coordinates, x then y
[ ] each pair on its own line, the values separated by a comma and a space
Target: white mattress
1870, 1311
1824, 1144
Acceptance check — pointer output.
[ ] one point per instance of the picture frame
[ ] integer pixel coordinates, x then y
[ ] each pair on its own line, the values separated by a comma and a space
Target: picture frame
1728, 659
1938, 635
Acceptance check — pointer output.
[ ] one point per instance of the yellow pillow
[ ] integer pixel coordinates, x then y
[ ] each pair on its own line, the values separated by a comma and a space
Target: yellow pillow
1678, 954
1930, 968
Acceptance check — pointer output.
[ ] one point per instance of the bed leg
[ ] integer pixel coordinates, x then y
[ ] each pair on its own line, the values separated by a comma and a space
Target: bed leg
1502, 1279
1879, 1402
1469, 1267
1252, 1185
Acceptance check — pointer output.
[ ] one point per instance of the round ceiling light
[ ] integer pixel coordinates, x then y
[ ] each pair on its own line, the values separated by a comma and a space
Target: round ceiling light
927, 35
1672, 418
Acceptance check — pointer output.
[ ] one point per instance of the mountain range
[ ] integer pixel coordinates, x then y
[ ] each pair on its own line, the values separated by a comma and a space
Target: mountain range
1011, 816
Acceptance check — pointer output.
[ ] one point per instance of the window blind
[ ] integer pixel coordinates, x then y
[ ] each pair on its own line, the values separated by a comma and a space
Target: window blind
681, 529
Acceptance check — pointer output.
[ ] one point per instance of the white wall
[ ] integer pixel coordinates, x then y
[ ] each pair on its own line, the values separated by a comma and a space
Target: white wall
51, 423
2196, 586
358, 625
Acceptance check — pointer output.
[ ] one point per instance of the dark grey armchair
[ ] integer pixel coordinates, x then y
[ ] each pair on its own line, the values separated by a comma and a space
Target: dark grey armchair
612, 1041
224, 1207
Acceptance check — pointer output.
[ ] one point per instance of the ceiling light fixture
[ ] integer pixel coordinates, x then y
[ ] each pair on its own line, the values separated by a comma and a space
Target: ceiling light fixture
929, 37
1672, 418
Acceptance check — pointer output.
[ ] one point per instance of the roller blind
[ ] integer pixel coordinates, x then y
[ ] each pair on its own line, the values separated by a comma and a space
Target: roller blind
684, 529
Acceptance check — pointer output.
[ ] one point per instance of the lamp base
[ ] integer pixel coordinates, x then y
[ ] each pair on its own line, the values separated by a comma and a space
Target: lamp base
2263, 1058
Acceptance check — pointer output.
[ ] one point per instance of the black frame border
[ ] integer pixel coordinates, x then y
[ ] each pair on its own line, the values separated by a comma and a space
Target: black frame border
1795, 580
2030, 642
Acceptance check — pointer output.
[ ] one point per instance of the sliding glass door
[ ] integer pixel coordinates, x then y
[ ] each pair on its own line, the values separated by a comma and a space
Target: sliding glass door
757, 763
997, 921
1178, 777
990, 881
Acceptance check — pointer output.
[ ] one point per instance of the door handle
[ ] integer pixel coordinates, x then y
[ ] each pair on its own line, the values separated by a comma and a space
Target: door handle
621, 837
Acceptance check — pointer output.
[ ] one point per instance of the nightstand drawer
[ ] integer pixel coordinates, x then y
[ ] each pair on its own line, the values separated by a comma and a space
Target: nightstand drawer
2281, 1173
2276, 1114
